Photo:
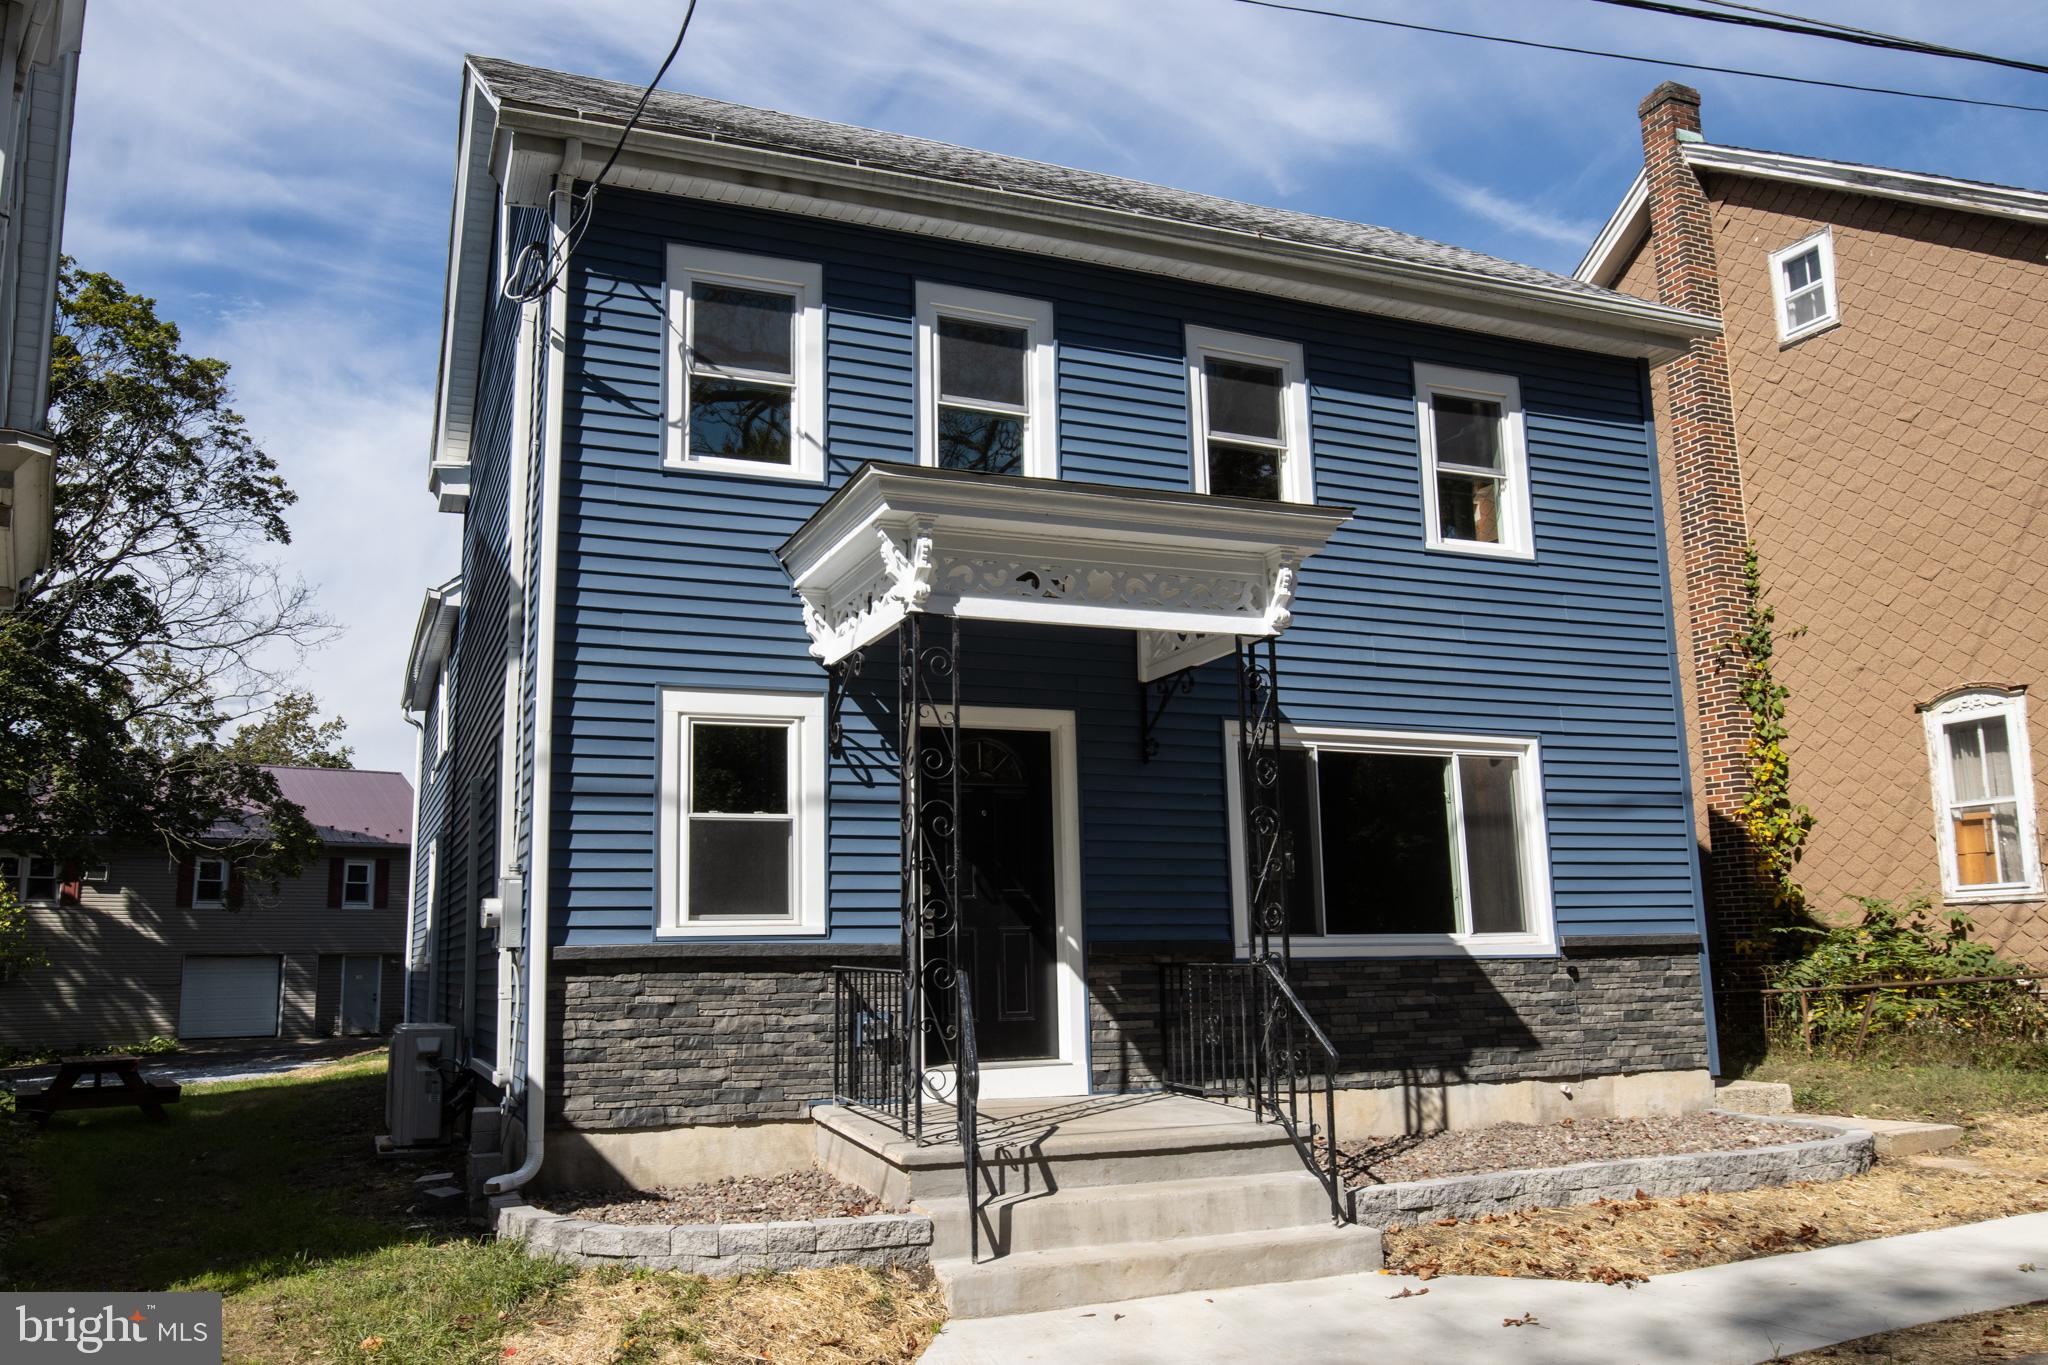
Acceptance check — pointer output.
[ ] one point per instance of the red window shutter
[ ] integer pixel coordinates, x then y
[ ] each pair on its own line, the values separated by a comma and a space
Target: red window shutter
334, 883
234, 886
73, 888
186, 872
383, 883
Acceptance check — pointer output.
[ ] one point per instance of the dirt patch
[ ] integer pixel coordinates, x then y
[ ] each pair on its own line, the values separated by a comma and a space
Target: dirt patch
736, 1199
2005, 1172
836, 1316
1526, 1146
2003, 1334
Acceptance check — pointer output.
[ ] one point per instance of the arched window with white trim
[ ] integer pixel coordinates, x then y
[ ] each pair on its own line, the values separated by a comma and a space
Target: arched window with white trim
1983, 778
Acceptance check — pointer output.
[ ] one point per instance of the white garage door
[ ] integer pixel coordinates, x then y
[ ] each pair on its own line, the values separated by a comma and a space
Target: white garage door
229, 997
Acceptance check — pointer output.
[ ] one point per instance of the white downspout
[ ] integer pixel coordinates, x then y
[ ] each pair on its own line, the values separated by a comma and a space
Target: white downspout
537, 936
412, 860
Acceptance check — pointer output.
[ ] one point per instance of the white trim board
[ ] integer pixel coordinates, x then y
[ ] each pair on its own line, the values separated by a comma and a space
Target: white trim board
1041, 377
1297, 464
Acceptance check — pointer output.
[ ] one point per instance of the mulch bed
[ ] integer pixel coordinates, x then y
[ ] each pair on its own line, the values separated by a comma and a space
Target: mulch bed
1525, 1146
793, 1196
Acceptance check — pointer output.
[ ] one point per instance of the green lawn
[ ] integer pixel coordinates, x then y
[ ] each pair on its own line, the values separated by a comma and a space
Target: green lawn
1942, 1092
268, 1192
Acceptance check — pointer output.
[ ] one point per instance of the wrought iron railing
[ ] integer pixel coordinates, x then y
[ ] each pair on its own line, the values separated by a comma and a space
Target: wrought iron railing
967, 1104
870, 1060
1237, 1030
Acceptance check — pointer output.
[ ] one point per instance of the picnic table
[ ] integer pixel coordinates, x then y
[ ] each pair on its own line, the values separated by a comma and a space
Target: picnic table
65, 1092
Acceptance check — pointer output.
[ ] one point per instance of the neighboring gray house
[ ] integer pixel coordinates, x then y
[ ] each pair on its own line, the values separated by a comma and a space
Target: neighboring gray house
147, 945
39, 42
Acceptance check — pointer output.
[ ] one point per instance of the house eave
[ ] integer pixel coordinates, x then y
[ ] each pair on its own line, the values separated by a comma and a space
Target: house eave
783, 181
1619, 238
433, 638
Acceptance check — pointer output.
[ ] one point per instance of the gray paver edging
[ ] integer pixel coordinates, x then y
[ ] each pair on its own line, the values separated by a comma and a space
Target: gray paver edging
1844, 1151
881, 1239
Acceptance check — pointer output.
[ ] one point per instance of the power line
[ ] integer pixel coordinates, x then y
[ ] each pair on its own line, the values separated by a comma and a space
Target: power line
535, 271
1646, 61
1776, 21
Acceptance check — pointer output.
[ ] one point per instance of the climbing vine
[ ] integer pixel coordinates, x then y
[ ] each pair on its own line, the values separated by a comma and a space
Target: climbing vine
1776, 825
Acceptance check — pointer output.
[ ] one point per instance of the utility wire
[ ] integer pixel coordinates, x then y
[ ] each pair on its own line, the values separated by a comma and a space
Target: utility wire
1812, 28
1646, 61
537, 268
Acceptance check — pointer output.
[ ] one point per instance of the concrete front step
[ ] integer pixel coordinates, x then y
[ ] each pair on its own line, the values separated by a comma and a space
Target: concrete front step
1146, 1139
1098, 1215
1897, 1137
1754, 1097
1034, 1281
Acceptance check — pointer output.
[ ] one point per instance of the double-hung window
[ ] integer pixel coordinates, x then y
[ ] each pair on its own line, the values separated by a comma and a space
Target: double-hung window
1803, 286
358, 883
1406, 843
32, 879
985, 382
209, 883
746, 389
1248, 405
742, 813
1475, 463
1984, 795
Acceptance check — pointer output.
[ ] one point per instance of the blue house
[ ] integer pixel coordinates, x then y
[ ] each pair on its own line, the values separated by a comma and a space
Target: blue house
936, 627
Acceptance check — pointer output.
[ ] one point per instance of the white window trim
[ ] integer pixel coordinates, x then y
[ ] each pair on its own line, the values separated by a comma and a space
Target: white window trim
805, 280
1539, 940
227, 874
369, 900
1975, 704
1517, 539
19, 883
1825, 240
443, 721
1297, 472
805, 712
1041, 384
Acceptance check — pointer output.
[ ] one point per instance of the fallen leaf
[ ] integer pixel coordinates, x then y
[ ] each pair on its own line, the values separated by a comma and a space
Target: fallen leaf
1447, 1222
370, 1345
1410, 1293
1116, 1317
2027, 1267
1526, 1320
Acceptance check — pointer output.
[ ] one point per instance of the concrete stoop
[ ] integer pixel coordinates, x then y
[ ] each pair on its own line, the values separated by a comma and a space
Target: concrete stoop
1093, 1204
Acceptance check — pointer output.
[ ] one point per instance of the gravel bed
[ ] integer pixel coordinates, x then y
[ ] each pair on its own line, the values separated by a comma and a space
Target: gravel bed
1526, 1146
793, 1197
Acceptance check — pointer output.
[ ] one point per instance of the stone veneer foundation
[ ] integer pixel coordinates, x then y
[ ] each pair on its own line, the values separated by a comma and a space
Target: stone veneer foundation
649, 1039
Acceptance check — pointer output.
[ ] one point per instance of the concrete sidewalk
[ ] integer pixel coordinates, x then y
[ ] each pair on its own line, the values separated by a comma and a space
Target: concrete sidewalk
1722, 1315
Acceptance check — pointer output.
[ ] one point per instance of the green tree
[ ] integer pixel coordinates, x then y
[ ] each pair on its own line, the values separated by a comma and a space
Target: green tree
293, 736
159, 622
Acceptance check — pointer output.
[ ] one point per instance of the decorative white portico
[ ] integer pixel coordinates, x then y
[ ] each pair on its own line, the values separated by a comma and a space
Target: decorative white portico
1191, 574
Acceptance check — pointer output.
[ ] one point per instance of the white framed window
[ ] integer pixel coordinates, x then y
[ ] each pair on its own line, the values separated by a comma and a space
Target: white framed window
986, 386
358, 883
1983, 775
31, 879
1405, 844
1248, 409
443, 720
1803, 286
209, 883
742, 813
1475, 462
746, 364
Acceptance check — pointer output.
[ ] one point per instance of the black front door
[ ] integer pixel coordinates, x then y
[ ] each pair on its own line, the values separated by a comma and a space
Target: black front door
1008, 916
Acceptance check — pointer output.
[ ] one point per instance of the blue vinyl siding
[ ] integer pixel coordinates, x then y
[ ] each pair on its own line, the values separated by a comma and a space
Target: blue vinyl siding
669, 579
432, 785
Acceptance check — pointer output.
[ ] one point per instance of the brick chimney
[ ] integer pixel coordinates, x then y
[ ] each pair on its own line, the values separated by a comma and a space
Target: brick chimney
1699, 439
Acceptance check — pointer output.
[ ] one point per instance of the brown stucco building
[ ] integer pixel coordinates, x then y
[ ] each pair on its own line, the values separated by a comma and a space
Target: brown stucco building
1874, 418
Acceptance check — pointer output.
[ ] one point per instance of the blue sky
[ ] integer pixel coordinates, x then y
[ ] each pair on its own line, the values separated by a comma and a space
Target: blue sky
277, 172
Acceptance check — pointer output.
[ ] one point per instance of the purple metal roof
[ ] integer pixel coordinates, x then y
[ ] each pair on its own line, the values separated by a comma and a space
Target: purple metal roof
350, 807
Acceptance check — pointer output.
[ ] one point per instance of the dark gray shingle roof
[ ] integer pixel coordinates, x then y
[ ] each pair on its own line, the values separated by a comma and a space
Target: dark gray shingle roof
697, 116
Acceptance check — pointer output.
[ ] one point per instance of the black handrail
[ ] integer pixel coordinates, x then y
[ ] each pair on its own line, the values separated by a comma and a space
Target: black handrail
1237, 1030
1284, 1010
868, 1041
967, 1103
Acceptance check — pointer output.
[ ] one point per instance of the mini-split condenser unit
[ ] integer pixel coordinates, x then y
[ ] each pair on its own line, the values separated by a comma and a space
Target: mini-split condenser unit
412, 1083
